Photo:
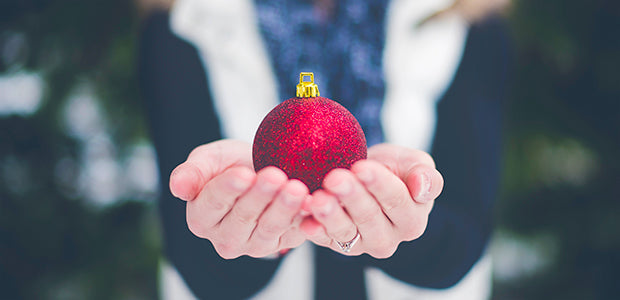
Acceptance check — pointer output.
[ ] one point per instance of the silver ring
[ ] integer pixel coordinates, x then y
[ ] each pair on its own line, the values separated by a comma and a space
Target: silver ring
346, 246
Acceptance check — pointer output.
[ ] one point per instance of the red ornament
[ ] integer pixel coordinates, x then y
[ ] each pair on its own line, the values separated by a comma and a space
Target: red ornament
308, 136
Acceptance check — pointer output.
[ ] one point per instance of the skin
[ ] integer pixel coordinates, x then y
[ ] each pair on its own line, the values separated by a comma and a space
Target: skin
386, 198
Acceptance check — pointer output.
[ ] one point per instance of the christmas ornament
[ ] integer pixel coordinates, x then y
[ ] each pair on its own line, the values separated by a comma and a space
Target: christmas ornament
308, 136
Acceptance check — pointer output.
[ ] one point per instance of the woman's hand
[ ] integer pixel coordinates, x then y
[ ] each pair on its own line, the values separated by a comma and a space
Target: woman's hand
386, 199
239, 211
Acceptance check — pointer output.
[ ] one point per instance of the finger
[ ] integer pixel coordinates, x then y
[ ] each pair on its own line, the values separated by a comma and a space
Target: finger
337, 223
315, 232
424, 183
217, 198
310, 226
206, 162
280, 214
390, 192
243, 216
408, 218
292, 238
416, 168
400, 160
363, 209
186, 181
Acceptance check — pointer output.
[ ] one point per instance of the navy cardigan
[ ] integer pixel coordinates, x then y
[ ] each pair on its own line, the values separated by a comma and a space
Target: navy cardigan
466, 148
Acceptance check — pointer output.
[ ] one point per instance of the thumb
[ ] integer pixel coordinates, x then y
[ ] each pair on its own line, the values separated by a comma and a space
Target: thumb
415, 168
424, 183
204, 163
400, 160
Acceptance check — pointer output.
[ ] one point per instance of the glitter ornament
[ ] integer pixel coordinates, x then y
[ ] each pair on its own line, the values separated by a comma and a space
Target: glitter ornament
308, 136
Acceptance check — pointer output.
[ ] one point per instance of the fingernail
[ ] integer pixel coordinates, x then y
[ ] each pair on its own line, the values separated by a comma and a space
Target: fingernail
291, 200
267, 186
178, 189
366, 176
175, 172
342, 188
326, 209
425, 188
180, 173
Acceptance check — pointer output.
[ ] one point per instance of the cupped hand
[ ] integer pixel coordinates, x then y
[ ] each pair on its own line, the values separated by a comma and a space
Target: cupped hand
386, 199
241, 212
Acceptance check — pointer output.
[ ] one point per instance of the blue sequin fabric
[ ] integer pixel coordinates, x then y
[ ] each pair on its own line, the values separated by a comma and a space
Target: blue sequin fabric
344, 51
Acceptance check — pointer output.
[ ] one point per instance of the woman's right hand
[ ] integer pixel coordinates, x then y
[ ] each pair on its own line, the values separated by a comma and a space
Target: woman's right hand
241, 212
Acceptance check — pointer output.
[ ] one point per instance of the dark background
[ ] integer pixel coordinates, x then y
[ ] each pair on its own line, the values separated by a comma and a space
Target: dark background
71, 229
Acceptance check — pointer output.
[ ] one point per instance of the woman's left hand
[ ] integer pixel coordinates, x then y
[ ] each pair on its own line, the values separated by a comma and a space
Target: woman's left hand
386, 199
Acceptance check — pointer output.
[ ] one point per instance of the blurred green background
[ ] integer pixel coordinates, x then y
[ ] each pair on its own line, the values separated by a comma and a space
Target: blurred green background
78, 178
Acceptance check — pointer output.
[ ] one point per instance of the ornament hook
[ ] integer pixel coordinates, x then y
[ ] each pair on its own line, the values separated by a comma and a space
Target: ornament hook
306, 89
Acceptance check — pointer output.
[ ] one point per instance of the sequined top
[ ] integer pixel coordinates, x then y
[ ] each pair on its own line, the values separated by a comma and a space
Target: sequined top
343, 49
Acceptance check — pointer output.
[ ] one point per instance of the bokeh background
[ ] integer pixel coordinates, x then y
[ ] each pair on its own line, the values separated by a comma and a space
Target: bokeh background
78, 174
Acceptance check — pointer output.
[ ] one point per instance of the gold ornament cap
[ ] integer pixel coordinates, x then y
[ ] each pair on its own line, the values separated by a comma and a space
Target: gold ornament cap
307, 89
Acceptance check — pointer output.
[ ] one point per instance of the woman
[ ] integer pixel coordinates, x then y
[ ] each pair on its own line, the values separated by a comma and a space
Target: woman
417, 75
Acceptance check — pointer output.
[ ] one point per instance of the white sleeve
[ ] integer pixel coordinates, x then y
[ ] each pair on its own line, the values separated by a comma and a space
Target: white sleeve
229, 43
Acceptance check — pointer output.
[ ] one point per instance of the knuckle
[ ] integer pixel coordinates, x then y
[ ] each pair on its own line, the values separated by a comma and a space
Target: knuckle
395, 201
196, 227
415, 232
382, 245
415, 229
324, 241
367, 216
383, 253
269, 231
243, 215
384, 249
218, 204
227, 250
343, 233
257, 255
261, 251
289, 241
